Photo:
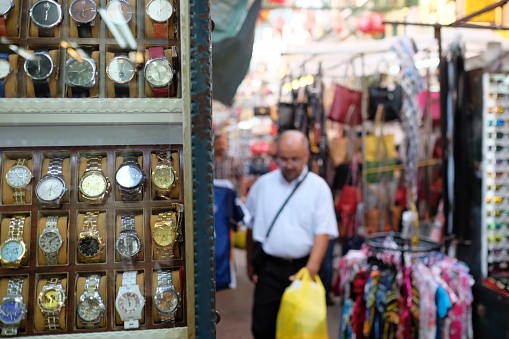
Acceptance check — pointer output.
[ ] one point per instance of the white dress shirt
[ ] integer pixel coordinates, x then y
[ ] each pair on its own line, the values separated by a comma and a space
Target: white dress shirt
310, 211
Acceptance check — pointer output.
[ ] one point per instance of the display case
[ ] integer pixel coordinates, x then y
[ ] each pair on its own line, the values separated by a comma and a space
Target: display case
105, 196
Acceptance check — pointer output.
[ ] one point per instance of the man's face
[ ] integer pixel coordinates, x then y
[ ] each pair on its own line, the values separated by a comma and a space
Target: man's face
292, 158
220, 146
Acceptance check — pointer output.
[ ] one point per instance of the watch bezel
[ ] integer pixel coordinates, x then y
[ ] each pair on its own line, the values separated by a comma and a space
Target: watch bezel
8, 9
91, 82
20, 186
60, 14
160, 227
148, 12
86, 297
81, 21
152, 62
172, 290
95, 238
88, 174
48, 74
60, 304
122, 168
128, 234
137, 293
19, 258
9, 70
116, 59
47, 177
125, 2
160, 167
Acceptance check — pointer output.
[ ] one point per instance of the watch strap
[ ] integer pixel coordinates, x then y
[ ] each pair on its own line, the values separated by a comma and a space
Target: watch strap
18, 193
55, 166
80, 92
46, 32
129, 278
52, 318
4, 56
161, 92
41, 88
165, 252
121, 90
127, 222
165, 282
16, 227
92, 284
94, 163
156, 52
90, 222
84, 30
3, 27
161, 30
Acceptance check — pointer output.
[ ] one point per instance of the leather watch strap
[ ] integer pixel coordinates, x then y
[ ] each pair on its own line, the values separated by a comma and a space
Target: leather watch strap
85, 31
41, 88
158, 52
80, 91
46, 32
3, 26
4, 56
155, 52
160, 30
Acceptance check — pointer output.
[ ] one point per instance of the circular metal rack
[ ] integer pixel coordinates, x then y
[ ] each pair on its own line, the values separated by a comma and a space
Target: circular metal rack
425, 244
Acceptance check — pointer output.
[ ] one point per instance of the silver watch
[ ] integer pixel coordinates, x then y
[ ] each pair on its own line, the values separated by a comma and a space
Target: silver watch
51, 188
128, 242
130, 178
51, 240
166, 299
12, 307
91, 307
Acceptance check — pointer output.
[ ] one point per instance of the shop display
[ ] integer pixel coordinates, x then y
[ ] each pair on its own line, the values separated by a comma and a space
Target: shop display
160, 12
73, 241
39, 69
119, 11
121, 70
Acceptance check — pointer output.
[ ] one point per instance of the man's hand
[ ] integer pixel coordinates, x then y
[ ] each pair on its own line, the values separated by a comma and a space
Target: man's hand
320, 244
249, 250
251, 274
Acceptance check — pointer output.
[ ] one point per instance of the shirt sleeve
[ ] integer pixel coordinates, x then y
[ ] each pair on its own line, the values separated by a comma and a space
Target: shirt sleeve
324, 215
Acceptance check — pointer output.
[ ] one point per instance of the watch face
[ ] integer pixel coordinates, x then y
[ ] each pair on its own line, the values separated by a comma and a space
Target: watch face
128, 302
128, 245
11, 311
52, 299
159, 10
164, 235
129, 176
80, 73
18, 176
88, 246
83, 11
93, 184
5, 6
46, 13
50, 189
5, 68
119, 11
90, 309
50, 242
163, 177
120, 70
158, 72
13, 250
40, 66
166, 301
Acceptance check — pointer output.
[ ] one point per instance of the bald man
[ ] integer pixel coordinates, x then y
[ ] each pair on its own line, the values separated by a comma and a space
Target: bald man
300, 232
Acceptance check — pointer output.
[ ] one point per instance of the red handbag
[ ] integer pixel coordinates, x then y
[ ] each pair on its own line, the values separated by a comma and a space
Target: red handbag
345, 97
348, 199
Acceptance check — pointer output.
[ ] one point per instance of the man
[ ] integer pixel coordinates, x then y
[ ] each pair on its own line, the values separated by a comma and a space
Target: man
228, 167
300, 234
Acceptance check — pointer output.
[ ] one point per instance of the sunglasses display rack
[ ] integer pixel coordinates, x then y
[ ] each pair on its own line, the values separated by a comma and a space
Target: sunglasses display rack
496, 175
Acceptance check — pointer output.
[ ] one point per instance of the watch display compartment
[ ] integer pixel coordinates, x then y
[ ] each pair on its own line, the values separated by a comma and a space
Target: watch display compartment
4, 233
110, 85
13, 20
170, 23
81, 278
11, 80
177, 253
39, 323
34, 29
83, 166
46, 157
176, 189
168, 53
73, 28
8, 160
139, 227
94, 90
30, 92
63, 228
140, 281
176, 277
119, 159
101, 228
4, 282
132, 23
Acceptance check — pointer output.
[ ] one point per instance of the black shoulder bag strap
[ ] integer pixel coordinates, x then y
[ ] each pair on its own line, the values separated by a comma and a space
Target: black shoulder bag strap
283, 206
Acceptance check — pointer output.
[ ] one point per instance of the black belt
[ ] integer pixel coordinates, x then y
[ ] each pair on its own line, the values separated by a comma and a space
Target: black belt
289, 261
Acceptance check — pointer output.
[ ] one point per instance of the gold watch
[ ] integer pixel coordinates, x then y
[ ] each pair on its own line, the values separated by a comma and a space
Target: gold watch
90, 243
163, 175
51, 300
94, 184
164, 235
13, 249
18, 177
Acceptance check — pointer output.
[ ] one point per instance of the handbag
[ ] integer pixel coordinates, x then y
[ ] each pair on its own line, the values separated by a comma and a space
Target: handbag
303, 311
285, 116
392, 100
435, 104
346, 96
258, 256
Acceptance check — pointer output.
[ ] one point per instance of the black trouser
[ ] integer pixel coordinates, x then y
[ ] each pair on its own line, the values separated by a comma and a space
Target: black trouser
272, 281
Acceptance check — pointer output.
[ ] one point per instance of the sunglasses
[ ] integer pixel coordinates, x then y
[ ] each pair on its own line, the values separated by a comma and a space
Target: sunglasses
497, 213
497, 122
496, 187
497, 225
497, 200
496, 238
497, 148
498, 110
498, 135
497, 175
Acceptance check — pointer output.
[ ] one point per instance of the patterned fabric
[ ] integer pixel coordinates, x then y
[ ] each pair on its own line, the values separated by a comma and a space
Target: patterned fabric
359, 309
428, 309
230, 168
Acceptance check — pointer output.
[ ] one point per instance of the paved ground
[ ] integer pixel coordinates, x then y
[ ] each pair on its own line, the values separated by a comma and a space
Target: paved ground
234, 305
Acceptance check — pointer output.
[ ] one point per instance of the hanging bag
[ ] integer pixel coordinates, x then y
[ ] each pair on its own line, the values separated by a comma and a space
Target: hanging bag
389, 95
303, 311
347, 94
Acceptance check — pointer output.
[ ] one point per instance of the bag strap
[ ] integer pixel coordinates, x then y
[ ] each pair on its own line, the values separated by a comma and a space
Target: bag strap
284, 204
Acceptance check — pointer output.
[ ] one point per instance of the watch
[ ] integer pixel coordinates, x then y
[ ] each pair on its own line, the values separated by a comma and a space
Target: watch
51, 300
119, 11
80, 76
130, 178
91, 307
165, 235
46, 14
51, 240
160, 12
94, 184
13, 249
166, 299
158, 72
90, 243
5, 7
51, 188
12, 307
128, 242
121, 70
83, 12
18, 177
129, 302
163, 175
39, 68
5, 69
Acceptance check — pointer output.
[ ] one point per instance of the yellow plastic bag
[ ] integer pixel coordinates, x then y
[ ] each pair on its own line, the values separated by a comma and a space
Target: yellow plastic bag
303, 310
239, 237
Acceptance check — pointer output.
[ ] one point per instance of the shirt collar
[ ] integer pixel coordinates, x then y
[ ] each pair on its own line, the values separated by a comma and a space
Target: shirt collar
294, 181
